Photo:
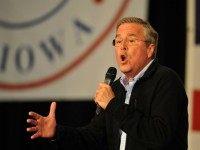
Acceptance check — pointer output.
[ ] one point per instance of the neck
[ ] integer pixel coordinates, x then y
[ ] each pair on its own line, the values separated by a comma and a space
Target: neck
130, 75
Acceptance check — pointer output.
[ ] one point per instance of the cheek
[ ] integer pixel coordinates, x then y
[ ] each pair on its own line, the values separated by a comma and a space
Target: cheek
117, 55
137, 55
140, 52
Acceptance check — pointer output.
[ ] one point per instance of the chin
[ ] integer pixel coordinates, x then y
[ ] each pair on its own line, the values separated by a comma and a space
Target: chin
125, 69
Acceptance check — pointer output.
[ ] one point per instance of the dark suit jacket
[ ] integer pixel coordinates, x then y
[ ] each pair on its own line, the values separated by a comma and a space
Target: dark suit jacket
155, 119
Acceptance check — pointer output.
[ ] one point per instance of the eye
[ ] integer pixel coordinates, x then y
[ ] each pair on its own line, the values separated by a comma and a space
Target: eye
131, 40
118, 41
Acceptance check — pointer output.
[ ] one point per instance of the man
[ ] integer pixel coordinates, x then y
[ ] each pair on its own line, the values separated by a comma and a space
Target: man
145, 109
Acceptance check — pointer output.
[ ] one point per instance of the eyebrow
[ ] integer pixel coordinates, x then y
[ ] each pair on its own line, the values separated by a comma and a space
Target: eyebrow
131, 34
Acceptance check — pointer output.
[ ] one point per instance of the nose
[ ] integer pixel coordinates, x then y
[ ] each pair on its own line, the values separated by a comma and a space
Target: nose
124, 45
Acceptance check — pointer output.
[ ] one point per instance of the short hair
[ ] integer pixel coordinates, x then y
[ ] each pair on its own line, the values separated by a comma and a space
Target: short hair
150, 33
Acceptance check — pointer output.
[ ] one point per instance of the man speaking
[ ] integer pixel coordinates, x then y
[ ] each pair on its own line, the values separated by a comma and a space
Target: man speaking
145, 109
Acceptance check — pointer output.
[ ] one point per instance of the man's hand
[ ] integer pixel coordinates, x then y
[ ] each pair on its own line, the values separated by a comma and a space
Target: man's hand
104, 95
43, 126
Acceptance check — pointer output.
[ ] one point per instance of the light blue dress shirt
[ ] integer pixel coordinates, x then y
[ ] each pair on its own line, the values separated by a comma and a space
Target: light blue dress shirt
128, 85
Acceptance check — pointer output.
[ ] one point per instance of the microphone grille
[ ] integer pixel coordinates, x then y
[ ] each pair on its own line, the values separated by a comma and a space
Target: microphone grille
111, 73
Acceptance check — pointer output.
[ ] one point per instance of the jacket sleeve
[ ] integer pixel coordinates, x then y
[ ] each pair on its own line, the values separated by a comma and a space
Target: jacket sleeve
168, 108
89, 137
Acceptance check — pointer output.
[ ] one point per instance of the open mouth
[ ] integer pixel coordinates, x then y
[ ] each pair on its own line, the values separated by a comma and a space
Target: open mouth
123, 57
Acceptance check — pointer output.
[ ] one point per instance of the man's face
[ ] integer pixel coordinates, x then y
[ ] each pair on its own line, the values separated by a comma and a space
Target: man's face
132, 52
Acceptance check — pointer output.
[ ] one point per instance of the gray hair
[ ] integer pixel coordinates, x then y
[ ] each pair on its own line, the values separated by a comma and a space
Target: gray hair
149, 31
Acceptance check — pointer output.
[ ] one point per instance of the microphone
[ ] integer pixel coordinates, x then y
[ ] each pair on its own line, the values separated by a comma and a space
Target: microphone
109, 79
110, 75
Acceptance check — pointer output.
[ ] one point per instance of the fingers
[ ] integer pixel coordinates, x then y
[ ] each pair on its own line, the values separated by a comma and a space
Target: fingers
103, 85
36, 135
42, 126
34, 115
32, 129
102, 89
32, 122
52, 109
103, 95
36, 130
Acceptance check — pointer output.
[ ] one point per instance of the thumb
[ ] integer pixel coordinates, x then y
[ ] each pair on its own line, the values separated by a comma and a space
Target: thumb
52, 109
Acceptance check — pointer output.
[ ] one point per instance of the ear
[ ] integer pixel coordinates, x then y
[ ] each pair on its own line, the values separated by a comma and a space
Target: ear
150, 50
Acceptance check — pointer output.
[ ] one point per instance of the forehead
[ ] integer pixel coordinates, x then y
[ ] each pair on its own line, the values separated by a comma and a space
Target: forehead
130, 29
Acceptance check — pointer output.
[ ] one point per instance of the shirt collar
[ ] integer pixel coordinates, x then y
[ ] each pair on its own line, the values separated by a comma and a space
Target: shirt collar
124, 80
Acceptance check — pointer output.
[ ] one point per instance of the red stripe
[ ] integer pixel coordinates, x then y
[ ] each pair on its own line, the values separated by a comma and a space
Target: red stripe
196, 111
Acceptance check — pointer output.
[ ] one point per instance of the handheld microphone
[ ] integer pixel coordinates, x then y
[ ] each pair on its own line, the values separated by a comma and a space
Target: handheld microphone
109, 79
